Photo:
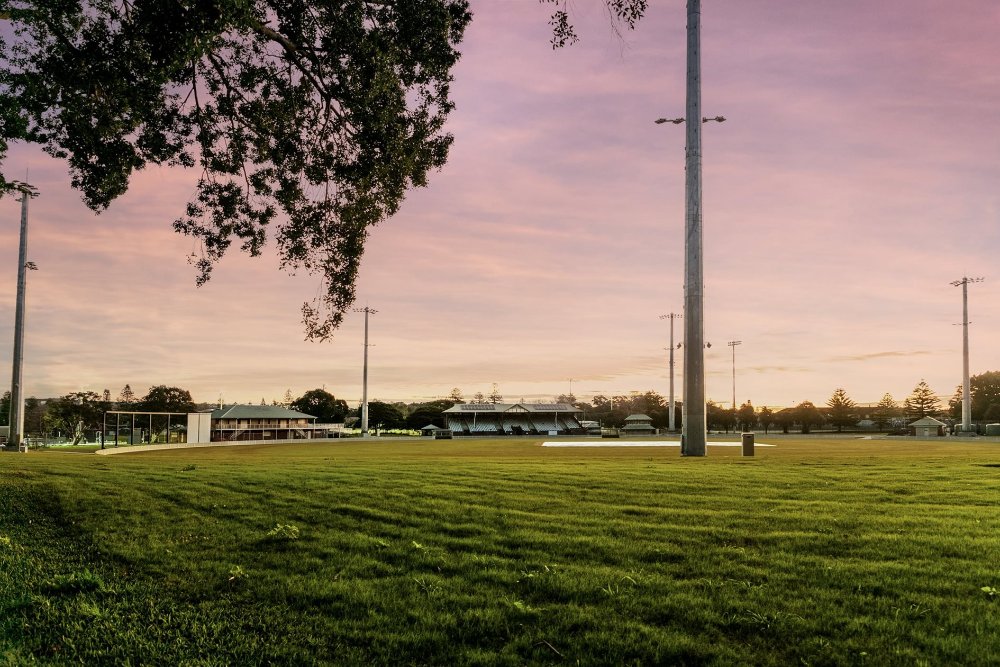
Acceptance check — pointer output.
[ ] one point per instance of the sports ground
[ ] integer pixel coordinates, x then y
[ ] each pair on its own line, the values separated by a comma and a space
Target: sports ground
816, 551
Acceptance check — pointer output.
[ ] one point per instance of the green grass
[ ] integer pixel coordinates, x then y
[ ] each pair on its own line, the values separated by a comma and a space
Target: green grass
815, 552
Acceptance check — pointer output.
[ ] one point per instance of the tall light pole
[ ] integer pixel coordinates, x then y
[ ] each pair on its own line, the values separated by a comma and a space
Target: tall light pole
671, 317
733, 344
364, 383
16, 382
694, 432
966, 385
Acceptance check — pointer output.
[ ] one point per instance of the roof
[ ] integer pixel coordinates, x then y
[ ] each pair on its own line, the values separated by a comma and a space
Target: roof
258, 412
927, 421
638, 418
512, 407
432, 427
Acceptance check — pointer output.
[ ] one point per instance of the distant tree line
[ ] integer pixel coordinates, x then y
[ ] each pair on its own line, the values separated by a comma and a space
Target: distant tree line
84, 410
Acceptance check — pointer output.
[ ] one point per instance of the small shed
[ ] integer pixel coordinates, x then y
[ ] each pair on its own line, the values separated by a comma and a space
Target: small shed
639, 424
432, 431
928, 426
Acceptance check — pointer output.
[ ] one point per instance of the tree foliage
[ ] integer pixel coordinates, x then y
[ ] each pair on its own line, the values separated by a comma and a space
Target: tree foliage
5, 409
321, 404
885, 411
162, 398
842, 410
922, 402
311, 117
807, 415
384, 415
746, 417
622, 12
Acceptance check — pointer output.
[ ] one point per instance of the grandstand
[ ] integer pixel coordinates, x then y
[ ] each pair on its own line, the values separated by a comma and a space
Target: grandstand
514, 419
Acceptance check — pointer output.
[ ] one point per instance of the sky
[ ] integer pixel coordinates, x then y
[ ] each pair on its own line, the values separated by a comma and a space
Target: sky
857, 176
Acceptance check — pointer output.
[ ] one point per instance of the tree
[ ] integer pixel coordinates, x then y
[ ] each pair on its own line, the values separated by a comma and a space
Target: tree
324, 113
78, 411
167, 399
765, 417
126, 399
287, 400
321, 404
384, 416
479, 397
922, 402
456, 396
746, 417
428, 413
842, 410
623, 13
5, 409
495, 396
985, 390
807, 415
785, 419
885, 411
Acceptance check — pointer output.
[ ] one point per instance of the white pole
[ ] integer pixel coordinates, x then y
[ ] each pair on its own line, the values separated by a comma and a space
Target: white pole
364, 384
16, 383
966, 382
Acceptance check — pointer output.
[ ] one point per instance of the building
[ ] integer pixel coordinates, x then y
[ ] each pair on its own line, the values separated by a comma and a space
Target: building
260, 422
514, 419
639, 424
927, 426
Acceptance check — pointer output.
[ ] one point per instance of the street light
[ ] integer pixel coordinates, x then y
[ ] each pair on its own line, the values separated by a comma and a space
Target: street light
966, 385
733, 344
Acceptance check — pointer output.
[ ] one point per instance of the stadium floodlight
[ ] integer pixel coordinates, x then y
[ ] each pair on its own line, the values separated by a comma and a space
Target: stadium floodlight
364, 383
671, 317
733, 344
694, 426
966, 383
16, 435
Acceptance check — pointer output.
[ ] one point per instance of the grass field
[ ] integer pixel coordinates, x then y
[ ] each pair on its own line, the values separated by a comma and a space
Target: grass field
820, 552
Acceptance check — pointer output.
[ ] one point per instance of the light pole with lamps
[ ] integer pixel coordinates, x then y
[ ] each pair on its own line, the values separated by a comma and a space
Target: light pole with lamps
694, 427
670, 417
733, 344
23, 266
364, 382
966, 384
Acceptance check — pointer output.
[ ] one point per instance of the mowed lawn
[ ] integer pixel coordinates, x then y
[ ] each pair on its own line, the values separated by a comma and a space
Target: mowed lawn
817, 551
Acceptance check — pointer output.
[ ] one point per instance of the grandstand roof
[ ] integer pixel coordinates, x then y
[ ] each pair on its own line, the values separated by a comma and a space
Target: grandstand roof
258, 412
512, 407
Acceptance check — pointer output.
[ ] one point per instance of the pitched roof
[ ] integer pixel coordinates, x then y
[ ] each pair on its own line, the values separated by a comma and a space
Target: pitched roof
258, 412
927, 421
638, 417
504, 407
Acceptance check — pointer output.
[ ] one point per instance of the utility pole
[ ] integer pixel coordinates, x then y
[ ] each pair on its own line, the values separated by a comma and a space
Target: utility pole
17, 382
364, 383
966, 384
672, 316
733, 344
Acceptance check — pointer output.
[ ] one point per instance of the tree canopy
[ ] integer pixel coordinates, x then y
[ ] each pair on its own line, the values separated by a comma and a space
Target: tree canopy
307, 117
922, 402
321, 404
162, 398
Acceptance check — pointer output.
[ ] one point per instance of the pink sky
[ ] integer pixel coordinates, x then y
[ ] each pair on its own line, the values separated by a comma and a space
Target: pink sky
856, 177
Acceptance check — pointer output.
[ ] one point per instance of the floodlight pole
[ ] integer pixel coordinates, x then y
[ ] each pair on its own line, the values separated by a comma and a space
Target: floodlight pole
16, 382
672, 316
733, 344
364, 384
966, 383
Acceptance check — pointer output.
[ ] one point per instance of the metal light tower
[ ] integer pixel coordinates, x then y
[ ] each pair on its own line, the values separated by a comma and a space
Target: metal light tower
694, 432
966, 387
733, 344
16, 382
671, 317
364, 384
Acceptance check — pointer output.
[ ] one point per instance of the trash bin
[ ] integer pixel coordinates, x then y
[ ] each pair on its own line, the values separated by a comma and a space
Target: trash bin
748, 444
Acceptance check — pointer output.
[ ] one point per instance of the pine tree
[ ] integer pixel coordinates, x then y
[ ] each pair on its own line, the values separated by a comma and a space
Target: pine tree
841, 410
495, 396
126, 399
922, 402
885, 410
